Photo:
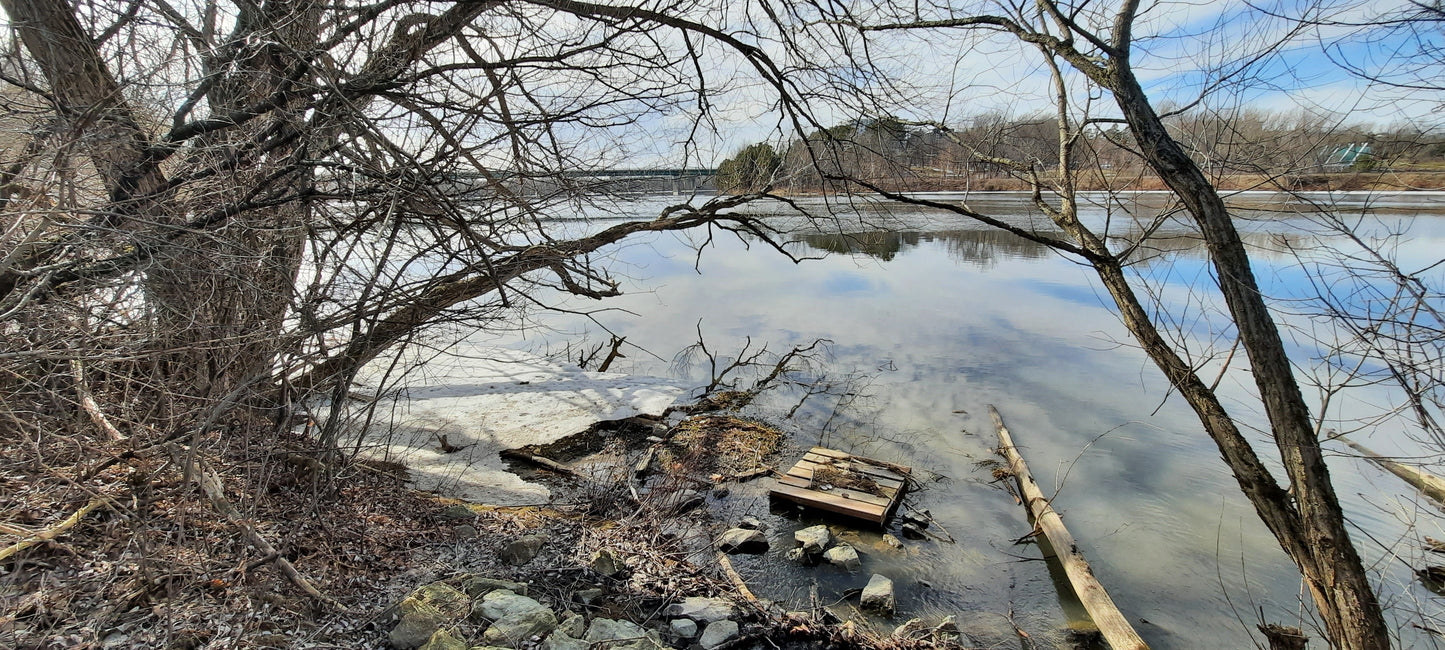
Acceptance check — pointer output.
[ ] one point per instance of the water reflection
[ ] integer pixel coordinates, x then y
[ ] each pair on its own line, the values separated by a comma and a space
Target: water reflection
947, 317
982, 248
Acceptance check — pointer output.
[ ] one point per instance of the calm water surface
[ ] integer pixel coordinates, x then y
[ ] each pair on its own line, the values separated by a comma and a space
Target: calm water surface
936, 318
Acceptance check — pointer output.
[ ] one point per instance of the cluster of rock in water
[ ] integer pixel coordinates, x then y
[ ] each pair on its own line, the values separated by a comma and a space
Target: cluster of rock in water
431, 617
816, 544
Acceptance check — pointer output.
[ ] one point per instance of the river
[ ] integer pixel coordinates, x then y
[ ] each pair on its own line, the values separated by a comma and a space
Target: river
934, 317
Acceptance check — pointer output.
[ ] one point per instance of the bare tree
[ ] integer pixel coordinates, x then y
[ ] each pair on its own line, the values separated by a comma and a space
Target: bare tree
253, 198
1089, 54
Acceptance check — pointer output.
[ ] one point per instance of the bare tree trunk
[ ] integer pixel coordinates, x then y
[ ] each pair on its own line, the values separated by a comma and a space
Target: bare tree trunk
1323, 551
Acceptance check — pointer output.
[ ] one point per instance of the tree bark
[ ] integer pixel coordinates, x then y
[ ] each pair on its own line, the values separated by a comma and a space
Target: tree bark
1321, 547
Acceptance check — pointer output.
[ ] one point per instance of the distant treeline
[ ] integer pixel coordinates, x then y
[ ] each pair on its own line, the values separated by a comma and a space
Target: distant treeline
1243, 150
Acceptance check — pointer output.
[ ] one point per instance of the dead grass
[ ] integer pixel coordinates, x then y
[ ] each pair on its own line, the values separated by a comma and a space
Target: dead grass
825, 477
724, 444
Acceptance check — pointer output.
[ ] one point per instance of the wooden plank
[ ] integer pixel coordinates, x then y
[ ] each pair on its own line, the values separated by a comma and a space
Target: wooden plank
806, 471
843, 493
857, 463
899, 470
863, 468
1112, 624
825, 501
889, 491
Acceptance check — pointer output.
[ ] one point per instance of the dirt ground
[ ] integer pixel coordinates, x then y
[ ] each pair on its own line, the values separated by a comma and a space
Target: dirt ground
151, 563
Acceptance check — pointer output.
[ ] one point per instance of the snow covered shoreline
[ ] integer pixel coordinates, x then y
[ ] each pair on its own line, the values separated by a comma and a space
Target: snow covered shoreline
500, 399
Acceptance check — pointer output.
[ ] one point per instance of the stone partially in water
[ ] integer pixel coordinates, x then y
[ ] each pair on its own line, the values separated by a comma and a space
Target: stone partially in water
751, 523
878, 596
844, 556
814, 539
912, 531
522, 550
919, 518
915, 628
742, 540
805, 559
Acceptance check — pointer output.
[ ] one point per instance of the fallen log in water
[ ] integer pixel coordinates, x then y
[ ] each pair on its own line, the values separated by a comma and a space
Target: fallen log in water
1428, 484
1112, 624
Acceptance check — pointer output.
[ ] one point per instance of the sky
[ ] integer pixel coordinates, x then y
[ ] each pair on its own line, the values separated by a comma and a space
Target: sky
1231, 53
1228, 54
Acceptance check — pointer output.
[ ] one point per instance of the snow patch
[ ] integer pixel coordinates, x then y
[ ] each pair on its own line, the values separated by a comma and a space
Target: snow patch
496, 399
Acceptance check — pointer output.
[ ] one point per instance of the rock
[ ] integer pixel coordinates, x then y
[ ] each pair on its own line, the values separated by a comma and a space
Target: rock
466, 531
682, 501
915, 628
683, 628
742, 540
805, 559
606, 563
892, 542
844, 556
912, 531
946, 631
448, 601
523, 550
588, 596
878, 595
751, 523
457, 512
622, 635
443, 640
419, 621
560, 640
512, 630
502, 603
919, 518
477, 586
702, 610
572, 625
718, 633
814, 539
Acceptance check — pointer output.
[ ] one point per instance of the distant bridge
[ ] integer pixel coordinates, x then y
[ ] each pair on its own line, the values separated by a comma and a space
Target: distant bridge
649, 172
647, 179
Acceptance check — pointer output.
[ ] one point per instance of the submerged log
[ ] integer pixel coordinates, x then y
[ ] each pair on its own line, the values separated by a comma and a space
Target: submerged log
1101, 608
1428, 484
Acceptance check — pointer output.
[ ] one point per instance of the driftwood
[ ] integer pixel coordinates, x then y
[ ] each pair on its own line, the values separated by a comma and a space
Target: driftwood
54, 531
87, 403
210, 485
737, 580
543, 462
1101, 608
1428, 484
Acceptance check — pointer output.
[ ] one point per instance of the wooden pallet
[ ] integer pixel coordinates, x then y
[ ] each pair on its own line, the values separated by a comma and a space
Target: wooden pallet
797, 485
